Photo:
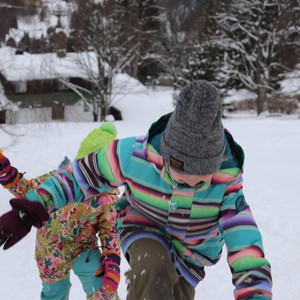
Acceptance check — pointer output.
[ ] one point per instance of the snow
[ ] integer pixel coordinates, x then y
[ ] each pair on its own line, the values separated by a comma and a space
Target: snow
291, 84
3, 99
44, 66
271, 184
58, 15
31, 25
29, 66
4, 102
239, 95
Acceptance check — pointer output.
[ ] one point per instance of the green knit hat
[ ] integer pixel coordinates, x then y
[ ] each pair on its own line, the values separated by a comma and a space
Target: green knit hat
97, 139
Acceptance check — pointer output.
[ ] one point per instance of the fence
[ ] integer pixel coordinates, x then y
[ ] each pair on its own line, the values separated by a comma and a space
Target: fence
71, 113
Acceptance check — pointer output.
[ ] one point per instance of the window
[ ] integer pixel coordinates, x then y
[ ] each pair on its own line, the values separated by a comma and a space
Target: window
20, 86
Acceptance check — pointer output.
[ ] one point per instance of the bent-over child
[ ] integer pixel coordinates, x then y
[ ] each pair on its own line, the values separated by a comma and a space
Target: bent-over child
69, 240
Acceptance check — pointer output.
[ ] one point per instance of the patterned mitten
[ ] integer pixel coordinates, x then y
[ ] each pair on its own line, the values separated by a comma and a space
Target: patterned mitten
110, 269
9, 175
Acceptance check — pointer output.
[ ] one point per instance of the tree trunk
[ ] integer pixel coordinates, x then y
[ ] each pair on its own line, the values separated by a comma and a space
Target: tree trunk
261, 99
261, 90
132, 69
102, 114
95, 119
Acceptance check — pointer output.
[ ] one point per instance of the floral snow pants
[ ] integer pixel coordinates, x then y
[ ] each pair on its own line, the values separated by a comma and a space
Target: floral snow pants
68, 243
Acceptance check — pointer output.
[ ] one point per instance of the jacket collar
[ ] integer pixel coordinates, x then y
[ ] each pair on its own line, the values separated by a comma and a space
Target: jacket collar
151, 143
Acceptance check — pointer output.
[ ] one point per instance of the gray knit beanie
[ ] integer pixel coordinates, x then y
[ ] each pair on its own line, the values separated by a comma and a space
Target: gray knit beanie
193, 142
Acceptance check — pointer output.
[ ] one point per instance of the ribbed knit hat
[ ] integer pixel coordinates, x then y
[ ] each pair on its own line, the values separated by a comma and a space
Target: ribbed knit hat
193, 142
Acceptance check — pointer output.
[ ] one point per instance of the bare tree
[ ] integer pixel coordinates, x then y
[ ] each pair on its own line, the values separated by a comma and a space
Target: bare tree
99, 30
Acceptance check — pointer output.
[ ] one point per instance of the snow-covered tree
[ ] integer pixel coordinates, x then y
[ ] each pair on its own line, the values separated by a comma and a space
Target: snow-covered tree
204, 57
176, 39
291, 22
99, 30
251, 35
141, 22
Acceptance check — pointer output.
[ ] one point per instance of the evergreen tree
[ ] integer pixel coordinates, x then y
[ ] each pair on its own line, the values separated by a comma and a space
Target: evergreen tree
205, 57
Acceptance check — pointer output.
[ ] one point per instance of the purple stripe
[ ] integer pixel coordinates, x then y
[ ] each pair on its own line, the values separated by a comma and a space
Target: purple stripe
5, 164
209, 204
234, 222
87, 174
152, 215
94, 168
140, 139
140, 154
66, 186
180, 215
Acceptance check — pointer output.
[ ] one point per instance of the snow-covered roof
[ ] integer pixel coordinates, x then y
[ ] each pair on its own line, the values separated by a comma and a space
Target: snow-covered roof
59, 13
28, 66
45, 66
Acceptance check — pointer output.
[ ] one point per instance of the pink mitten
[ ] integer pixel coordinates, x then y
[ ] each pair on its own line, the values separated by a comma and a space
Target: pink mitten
110, 269
9, 175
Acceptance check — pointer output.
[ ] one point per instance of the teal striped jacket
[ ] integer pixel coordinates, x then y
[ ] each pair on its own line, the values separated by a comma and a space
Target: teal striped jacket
193, 223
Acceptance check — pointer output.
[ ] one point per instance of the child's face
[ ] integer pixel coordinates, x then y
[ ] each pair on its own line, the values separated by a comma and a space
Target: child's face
191, 180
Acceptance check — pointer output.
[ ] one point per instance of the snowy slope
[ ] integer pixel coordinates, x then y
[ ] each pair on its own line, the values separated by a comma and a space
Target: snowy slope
271, 184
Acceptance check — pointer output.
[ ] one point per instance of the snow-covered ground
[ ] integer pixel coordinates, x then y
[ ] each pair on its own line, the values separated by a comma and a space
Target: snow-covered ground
271, 184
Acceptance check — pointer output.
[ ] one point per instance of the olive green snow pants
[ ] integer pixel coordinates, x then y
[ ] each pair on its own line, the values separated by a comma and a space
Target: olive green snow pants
153, 275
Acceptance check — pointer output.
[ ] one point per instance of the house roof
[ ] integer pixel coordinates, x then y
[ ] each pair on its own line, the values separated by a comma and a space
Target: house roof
28, 66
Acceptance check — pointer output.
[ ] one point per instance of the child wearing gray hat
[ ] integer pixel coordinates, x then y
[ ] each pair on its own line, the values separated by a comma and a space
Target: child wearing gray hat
193, 142
184, 202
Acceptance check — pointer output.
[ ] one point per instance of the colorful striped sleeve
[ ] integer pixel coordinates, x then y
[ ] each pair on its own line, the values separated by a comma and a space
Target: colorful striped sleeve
23, 186
58, 190
250, 269
86, 180
100, 171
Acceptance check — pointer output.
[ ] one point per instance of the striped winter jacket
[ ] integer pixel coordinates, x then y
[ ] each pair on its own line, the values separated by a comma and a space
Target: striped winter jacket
194, 223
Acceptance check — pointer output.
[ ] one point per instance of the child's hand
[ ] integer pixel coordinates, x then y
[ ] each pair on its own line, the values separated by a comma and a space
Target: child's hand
17, 223
9, 175
110, 269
